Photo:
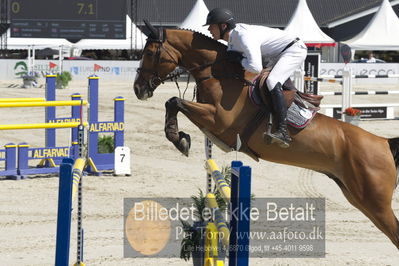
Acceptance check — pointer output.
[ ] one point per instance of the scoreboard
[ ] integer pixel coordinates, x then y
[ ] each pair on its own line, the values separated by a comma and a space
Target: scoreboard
69, 19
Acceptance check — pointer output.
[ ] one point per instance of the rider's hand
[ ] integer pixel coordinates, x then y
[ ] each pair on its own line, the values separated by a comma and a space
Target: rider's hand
234, 56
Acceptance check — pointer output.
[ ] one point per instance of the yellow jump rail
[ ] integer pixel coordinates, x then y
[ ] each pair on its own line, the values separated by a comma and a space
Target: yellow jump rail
77, 172
219, 180
41, 125
41, 104
7, 100
211, 246
224, 232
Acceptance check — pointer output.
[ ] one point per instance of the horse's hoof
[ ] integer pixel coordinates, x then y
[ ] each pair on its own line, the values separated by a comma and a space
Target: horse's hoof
184, 143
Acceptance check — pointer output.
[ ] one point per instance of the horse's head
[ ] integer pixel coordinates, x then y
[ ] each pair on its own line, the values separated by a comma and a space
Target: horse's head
157, 62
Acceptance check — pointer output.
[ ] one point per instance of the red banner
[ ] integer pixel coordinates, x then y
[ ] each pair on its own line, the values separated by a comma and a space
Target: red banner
52, 65
97, 67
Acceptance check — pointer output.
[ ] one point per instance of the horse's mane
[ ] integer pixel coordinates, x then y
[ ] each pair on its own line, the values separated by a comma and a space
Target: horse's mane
202, 42
217, 44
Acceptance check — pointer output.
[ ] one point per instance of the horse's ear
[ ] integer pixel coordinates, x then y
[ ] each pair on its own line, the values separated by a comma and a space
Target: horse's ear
154, 33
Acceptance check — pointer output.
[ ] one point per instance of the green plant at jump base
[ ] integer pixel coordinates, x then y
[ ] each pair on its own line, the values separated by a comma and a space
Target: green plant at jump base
106, 144
63, 79
193, 233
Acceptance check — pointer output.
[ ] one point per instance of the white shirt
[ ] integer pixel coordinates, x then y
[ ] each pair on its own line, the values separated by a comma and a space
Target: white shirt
257, 42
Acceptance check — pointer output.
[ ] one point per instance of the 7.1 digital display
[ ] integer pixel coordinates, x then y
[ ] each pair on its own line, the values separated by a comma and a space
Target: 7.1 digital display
71, 19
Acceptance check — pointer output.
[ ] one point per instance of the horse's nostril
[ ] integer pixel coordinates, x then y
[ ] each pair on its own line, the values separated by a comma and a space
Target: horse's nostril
136, 89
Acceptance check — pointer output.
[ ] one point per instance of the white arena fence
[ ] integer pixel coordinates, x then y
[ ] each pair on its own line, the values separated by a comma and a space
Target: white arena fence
346, 80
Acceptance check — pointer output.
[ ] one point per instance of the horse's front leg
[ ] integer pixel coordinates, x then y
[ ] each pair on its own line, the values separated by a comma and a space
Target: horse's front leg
200, 114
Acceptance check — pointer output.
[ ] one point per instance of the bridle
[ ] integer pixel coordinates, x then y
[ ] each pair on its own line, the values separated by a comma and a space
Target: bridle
156, 79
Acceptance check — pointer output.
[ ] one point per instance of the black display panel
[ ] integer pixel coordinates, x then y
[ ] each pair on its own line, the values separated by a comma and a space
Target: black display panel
70, 19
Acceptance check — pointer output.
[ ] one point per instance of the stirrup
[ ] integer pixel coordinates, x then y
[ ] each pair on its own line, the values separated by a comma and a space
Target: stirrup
279, 139
270, 138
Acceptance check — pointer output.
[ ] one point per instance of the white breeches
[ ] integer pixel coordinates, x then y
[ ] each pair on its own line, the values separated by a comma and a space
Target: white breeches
289, 61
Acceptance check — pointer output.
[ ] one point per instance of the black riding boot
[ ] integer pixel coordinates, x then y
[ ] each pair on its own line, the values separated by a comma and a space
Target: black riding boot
281, 135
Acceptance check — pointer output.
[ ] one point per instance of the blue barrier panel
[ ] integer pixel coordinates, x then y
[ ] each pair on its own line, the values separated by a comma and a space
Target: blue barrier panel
64, 213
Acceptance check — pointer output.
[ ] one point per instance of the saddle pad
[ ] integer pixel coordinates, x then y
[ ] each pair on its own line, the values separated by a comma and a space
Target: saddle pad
299, 117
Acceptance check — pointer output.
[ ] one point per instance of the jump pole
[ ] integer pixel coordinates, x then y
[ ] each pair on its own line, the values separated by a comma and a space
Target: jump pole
40, 126
40, 104
208, 155
70, 183
3, 100
240, 200
78, 178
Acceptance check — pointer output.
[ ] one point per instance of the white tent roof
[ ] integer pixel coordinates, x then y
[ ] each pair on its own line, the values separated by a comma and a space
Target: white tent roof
196, 18
138, 42
303, 25
381, 33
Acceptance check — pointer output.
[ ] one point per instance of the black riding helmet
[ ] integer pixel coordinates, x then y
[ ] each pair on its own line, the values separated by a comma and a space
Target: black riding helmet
221, 15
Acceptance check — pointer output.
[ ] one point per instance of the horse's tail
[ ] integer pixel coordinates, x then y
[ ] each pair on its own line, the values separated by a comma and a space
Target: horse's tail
394, 146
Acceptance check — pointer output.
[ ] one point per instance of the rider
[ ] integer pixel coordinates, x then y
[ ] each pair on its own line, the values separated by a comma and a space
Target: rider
248, 45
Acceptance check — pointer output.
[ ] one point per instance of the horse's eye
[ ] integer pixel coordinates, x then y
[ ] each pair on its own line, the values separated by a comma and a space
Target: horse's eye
149, 53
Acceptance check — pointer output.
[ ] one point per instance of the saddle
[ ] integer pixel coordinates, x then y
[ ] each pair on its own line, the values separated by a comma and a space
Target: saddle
291, 94
295, 100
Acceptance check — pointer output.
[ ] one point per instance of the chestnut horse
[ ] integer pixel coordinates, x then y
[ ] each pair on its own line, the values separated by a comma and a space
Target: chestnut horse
362, 164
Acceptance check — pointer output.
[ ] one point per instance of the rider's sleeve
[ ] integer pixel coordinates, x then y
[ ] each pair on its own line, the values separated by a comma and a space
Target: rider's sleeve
251, 48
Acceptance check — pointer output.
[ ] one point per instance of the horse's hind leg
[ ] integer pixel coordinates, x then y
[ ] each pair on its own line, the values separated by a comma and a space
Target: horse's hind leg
377, 221
370, 189
378, 205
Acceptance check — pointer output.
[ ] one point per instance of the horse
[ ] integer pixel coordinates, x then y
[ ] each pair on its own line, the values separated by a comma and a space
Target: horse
363, 165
